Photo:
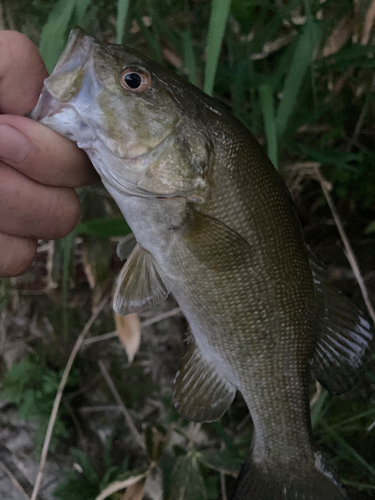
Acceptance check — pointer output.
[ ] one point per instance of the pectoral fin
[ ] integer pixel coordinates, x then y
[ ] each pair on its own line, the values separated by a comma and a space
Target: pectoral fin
216, 244
201, 393
125, 246
140, 285
345, 340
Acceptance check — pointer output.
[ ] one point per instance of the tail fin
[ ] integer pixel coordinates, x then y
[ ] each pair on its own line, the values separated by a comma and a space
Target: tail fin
318, 482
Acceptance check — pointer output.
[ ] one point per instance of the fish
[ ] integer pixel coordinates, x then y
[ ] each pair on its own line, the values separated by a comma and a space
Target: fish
214, 225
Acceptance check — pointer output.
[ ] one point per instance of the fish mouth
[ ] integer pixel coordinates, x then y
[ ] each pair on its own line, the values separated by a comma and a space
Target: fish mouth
47, 112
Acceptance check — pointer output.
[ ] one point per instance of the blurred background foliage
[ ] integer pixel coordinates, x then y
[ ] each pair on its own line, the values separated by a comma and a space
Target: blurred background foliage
300, 75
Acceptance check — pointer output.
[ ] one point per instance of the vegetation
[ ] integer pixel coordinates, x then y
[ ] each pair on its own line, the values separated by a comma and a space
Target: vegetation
300, 75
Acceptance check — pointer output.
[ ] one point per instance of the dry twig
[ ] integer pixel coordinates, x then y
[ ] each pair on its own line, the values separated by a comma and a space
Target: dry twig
59, 394
119, 401
147, 322
14, 480
317, 395
348, 249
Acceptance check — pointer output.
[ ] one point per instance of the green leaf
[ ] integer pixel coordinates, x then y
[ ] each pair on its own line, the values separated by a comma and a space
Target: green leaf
339, 159
76, 488
54, 32
186, 479
104, 228
87, 469
122, 10
266, 104
221, 460
360, 56
302, 59
216, 30
370, 228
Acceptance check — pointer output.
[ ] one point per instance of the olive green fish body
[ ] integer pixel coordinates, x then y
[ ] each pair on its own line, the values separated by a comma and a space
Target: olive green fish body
215, 225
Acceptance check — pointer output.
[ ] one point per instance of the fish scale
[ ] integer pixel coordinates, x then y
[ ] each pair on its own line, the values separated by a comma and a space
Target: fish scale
215, 225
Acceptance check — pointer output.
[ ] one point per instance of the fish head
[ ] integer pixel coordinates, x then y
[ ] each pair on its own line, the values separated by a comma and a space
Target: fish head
127, 113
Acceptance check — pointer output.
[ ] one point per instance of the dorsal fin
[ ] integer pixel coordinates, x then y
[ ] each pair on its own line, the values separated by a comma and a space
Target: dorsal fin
201, 393
139, 285
345, 337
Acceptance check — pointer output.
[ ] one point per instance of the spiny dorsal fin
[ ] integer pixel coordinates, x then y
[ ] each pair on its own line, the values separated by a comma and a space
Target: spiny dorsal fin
139, 285
201, 393
345, 337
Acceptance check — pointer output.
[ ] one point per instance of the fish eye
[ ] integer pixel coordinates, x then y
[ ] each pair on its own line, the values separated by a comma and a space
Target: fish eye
135, 80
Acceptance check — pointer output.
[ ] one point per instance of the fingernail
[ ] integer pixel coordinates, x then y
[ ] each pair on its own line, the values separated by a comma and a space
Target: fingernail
14, 146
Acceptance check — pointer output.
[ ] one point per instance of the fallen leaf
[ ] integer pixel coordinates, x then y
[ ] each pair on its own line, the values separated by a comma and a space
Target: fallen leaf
369, 23
135, 491
120, 485
339, 36
129, 331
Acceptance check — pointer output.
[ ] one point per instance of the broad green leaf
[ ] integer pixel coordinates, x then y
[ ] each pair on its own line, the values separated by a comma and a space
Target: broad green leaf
122, 10
302, 59
75, 489
216, 30
87, 470
221, 460
266, 104
186, 479
104, 228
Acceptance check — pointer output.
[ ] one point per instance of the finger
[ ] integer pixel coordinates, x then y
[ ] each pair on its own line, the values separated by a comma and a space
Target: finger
31, 210
16, 255
43, 154
22, 72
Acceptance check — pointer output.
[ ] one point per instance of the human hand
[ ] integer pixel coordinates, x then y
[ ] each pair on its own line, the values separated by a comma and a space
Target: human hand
39, 169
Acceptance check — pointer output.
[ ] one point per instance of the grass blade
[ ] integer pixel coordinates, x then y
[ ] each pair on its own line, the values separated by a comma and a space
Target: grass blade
52, 39
301, 61
219, 14
189, 58
122, 10
82, 18
348, 448
267, 107
150, 39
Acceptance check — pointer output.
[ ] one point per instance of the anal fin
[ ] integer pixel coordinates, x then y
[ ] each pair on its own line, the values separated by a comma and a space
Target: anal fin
139, 285
201, 393
345, 339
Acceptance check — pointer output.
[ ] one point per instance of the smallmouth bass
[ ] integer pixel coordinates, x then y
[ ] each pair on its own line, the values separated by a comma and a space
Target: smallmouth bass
214, 225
